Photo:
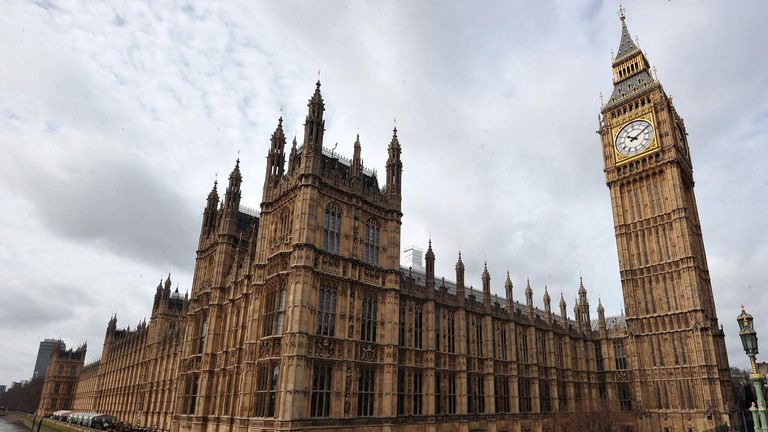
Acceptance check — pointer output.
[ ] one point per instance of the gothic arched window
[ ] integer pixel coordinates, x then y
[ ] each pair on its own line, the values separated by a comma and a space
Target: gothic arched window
201, 333
371, 255
274, 312
326, 311
332, 229
286, 223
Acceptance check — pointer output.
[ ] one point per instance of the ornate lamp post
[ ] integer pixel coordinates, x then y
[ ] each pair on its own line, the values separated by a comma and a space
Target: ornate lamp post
749, 341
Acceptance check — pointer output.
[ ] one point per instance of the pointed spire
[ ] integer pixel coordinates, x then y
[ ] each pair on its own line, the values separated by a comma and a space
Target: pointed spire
357, 162
394, 166
627, 45
213, 195
460, 280
314, 128
168, 283
582, 292
316, 104
486, 285
209, 214
529, 297
508, 289
429, 260
276, 156
232, 195
292, 156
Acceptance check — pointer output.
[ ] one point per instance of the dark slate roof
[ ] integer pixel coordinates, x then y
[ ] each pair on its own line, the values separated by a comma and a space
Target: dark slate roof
627, 45
631, 85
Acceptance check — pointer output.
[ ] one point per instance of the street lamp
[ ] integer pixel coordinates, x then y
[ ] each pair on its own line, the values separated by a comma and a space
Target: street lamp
749, 341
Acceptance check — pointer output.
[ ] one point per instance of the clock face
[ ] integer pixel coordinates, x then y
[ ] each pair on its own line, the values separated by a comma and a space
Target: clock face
634, 137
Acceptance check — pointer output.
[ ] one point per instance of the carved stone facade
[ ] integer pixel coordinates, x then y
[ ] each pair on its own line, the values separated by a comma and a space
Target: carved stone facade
61, 378
300, 317
135, 379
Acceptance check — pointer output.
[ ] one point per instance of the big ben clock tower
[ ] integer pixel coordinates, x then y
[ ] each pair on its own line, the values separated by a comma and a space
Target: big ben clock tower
680, 375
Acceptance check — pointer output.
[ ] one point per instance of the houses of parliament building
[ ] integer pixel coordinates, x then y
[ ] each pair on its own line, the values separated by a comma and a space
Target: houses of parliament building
301, 317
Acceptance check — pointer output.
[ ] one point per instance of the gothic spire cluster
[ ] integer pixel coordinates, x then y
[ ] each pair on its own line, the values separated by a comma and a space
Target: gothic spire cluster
631, 69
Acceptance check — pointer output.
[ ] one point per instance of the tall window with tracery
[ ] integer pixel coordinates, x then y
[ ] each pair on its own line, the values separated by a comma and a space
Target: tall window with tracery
479, 338
332, 229
451, 333
451, 399
522, 345
417, 327
274, 312
368, 319
475, 393
365, 391
320, 400
501, 392
286, 224
371, 253
190, 392
524, 392
621, 356
267, 378
401, 326
202, 331
503, 341
326, 311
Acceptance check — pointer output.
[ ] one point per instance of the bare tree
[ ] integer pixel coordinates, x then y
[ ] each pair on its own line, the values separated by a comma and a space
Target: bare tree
23, 398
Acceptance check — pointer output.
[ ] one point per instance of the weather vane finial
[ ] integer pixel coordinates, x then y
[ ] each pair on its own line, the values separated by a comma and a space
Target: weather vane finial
622, 12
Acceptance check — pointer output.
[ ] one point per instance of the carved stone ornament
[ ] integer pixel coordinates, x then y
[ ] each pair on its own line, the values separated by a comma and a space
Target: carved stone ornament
265, 347
324, 348
622, 376
347, 390
368, 353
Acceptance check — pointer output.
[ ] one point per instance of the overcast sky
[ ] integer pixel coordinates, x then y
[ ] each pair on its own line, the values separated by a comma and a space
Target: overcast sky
115, 118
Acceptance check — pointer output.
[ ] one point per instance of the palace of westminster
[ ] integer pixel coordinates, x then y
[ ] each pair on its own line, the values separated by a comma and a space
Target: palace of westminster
301, 317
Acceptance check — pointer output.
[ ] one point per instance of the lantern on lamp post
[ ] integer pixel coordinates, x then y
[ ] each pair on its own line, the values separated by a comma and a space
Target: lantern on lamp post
748, 337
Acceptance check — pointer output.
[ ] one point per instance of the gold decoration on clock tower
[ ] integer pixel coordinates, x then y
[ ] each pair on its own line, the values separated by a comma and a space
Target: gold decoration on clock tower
680, 370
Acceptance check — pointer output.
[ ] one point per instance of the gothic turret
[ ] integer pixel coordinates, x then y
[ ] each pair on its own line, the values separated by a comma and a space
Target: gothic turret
292, 157
232, 196
394, 168
547, 305
563, 312
356, 169
167, 287
486, 286
276, 156
601, 317
508, 289
429, 260
210, 214
460, 280
577, 314
111, 325
583, 303
314, 128
529, 298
